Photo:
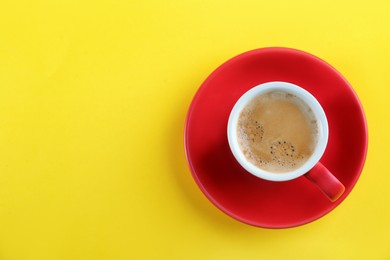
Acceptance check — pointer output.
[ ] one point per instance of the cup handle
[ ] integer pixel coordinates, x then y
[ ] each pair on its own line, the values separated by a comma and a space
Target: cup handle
326, 181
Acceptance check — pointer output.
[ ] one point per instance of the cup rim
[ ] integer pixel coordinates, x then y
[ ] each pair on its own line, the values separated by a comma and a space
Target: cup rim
309, 99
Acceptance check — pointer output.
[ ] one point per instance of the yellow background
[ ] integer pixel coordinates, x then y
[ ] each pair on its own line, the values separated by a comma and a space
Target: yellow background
93, 99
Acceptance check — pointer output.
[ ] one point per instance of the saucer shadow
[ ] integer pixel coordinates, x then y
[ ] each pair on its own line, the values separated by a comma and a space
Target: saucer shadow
184, 180
220, 162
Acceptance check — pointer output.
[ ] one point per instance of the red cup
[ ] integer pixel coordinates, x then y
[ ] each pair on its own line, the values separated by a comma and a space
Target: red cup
316, 172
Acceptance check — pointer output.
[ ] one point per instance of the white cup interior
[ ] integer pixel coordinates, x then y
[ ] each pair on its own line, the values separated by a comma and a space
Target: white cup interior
310, 100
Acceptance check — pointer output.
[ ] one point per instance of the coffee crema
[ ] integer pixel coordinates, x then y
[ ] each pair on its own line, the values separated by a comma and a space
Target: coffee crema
277, 131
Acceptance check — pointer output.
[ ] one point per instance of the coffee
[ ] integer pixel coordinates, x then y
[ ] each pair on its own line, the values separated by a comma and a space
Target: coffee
277, 131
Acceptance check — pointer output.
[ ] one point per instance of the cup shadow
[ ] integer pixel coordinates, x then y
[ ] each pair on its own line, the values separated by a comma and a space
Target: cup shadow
184, 180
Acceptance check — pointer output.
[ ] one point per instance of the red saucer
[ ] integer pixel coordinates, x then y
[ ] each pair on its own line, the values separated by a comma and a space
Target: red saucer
243, 196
